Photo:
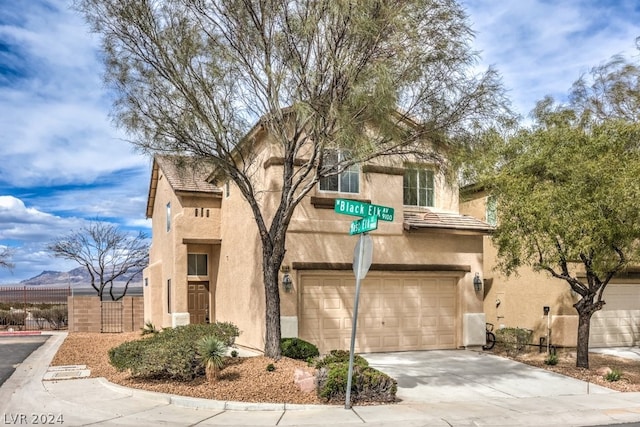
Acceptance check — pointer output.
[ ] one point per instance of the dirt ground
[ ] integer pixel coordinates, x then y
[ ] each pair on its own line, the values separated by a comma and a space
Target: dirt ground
247, 379
599, 365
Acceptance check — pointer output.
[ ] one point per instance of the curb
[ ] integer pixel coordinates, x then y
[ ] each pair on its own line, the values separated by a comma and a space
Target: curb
200, 403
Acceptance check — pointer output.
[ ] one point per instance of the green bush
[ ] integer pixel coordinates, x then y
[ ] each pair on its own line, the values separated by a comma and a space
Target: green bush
515, 340
367, 384
57, 316
149, 328
211, 351
171, 353
295, 348
13, 318
613, 375
552, 359
340, 356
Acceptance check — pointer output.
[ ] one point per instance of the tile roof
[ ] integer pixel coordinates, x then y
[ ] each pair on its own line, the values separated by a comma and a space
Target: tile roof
185, 174
182, 174
445, 221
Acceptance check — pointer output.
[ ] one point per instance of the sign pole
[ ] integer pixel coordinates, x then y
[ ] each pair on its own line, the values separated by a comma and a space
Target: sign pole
347, 404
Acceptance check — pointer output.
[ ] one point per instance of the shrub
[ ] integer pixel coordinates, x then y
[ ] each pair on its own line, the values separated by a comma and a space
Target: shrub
128, 355
234, 353
515, 340
211, 351
367, 384
613, 375
170, 354
227, 332
4, 318
57, 316
340, 356
271, 367
12, 318
552, 359
296, 348
149, 328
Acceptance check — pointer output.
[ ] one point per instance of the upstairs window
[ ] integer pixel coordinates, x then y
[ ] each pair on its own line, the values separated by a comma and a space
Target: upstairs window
491, 213
169, 216
197, 265
346, 182
418, 187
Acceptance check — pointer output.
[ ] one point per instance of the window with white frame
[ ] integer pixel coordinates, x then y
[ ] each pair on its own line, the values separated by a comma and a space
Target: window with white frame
197, 265
346, 182
418, 188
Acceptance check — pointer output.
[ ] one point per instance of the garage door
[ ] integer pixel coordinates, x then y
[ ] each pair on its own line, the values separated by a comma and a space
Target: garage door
395, 313
618, 323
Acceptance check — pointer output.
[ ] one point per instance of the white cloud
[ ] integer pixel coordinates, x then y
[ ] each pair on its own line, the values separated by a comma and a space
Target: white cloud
34, 229
542, 47
62, 161
54, 114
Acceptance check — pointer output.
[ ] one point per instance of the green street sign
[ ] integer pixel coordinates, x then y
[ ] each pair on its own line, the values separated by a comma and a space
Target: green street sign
356, 208
363, 225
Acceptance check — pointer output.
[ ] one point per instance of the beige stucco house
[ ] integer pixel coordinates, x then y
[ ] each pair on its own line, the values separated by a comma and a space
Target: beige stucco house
520, 300
205, 259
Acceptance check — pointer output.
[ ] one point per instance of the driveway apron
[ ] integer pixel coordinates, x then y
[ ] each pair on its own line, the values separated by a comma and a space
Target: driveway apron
465, 375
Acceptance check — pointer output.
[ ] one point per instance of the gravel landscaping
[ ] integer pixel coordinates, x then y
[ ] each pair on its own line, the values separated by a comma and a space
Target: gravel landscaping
247, 379
243, 379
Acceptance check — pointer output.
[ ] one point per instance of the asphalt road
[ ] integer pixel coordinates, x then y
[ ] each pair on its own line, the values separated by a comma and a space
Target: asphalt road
14, 350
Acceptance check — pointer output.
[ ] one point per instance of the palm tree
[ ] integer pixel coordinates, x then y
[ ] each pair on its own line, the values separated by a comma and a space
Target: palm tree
212, 351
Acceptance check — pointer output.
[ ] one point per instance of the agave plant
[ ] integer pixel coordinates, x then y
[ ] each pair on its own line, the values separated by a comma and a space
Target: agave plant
212, 351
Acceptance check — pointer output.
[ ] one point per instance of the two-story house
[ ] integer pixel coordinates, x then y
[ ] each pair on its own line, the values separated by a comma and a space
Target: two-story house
205, 259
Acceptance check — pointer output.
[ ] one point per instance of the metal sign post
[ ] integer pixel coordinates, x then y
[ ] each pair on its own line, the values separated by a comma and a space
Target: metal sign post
362, 257
363, 254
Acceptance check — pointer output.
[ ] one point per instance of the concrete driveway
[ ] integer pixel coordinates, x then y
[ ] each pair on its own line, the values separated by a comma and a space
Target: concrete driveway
464, 375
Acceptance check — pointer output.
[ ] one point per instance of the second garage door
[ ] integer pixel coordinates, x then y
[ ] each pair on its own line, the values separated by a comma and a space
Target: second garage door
618, 323
395, 313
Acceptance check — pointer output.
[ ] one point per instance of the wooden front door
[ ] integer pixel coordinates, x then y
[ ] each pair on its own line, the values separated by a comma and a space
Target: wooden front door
198, 297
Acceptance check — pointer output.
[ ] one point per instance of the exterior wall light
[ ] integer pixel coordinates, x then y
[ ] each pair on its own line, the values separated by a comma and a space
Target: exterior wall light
287, 282
477, 283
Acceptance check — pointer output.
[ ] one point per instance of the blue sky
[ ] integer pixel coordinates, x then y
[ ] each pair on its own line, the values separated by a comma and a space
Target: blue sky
62, 161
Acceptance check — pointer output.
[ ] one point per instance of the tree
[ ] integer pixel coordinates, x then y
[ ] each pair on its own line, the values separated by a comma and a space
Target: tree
5, 256
108, 254
567, 192
196, 76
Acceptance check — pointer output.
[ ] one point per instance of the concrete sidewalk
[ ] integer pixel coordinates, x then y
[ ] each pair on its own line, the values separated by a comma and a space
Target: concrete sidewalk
512, 394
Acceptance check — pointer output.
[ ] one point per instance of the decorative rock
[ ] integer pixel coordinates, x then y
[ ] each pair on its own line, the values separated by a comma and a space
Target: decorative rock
305, 381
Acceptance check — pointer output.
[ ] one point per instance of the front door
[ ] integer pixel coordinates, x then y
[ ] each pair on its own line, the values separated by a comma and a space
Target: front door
198, 297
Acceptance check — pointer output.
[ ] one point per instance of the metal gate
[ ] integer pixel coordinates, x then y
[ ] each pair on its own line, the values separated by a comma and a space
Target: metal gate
112, 316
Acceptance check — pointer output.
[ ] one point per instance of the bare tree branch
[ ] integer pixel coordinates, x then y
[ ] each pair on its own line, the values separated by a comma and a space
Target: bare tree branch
107, 253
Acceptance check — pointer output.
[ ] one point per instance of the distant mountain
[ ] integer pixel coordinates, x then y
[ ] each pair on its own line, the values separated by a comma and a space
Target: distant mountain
78, 277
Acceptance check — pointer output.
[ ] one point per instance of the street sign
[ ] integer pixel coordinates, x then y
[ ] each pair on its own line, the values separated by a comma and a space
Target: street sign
356, 208
363, 225
362, 256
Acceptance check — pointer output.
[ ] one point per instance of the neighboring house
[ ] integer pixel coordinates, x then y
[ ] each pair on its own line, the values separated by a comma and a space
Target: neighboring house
520, 300
205, 258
